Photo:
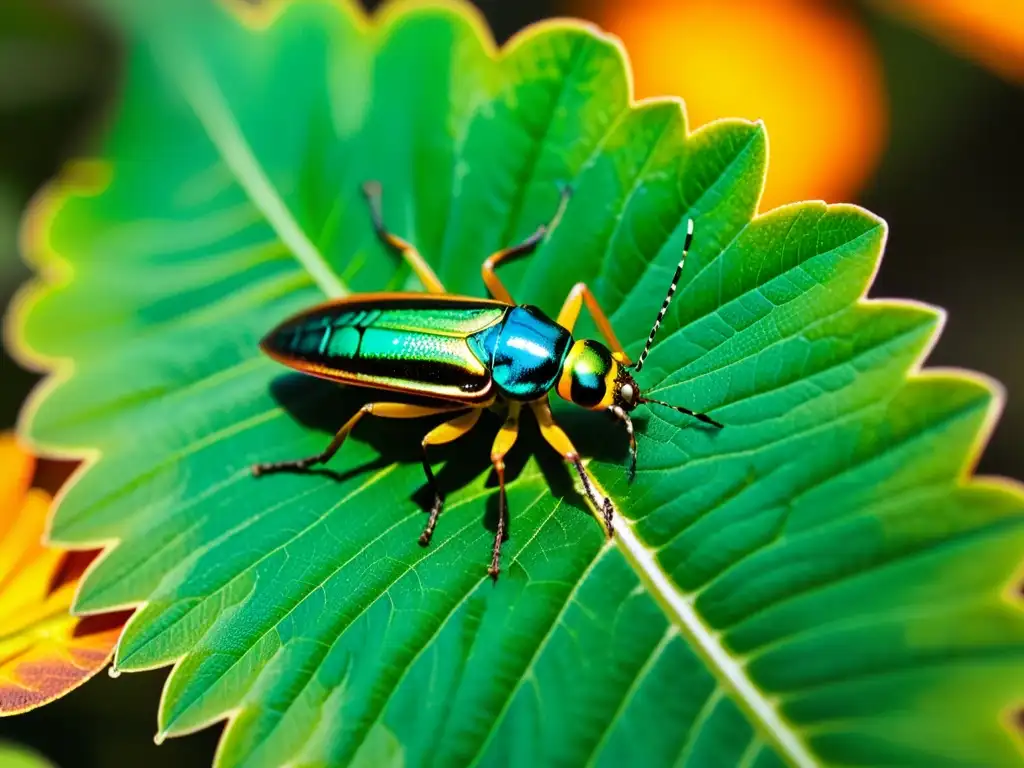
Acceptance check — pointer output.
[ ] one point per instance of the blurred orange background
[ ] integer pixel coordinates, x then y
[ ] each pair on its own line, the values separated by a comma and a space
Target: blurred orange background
809, 69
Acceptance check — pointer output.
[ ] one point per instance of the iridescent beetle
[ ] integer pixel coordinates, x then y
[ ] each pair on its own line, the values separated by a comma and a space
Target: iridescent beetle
464, 355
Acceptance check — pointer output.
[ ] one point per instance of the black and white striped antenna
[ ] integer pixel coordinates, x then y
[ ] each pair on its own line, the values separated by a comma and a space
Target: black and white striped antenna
668, 298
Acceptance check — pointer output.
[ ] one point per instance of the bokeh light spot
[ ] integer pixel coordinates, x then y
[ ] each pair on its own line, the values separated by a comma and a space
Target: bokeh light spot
806, 67
990, 31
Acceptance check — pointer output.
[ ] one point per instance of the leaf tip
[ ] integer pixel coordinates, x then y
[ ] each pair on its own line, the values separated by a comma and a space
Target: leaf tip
396, 12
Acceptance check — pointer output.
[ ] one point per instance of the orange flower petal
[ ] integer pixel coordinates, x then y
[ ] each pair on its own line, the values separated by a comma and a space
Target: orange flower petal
57, 657
21, 548
806, 68
16, 469
44, 650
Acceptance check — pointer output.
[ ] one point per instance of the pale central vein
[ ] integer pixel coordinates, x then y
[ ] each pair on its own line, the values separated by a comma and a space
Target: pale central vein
706, 641
213, 113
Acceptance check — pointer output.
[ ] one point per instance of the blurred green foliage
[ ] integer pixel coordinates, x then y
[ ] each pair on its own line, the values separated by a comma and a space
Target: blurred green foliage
15, 756
58, 70
55, 66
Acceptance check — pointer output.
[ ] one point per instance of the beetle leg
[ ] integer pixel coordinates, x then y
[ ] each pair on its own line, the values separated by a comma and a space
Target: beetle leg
502, 445
445, 433
384, 410
528, 246
561, 443
570, 312
492, 281
427, 276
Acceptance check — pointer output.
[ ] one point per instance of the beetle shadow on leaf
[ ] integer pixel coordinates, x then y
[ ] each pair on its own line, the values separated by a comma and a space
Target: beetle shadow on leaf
325, 406
600, 436
594, 436
322, 406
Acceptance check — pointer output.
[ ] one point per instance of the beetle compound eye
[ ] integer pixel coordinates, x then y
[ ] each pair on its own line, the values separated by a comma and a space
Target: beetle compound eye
590, 366
588, 387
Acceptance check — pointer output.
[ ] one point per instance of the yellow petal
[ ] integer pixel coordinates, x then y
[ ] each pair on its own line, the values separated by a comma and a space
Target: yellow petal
44, 650
16, 467
21, 546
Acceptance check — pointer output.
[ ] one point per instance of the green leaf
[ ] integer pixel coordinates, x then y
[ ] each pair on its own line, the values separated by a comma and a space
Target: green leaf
16, 756
820, 581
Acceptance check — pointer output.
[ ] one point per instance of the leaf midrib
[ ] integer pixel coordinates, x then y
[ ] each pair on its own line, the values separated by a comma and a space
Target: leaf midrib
707, 644
214, 115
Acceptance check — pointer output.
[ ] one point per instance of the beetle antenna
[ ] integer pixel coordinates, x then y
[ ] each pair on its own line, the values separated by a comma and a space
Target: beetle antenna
621, 414
668, 298
699, 416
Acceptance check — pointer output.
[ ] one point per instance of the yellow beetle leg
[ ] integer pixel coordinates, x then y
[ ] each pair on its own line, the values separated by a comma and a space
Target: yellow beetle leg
570, 313
405, 249
561, 443
384, 410
445, 433
528, 246
494, 285
502, 445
